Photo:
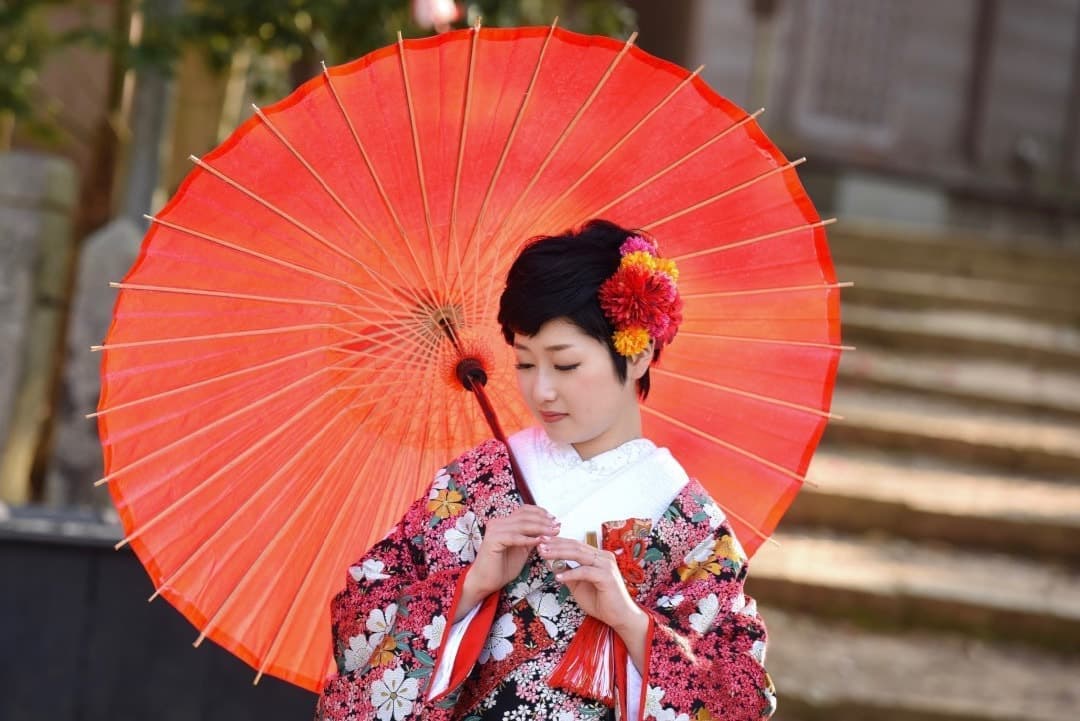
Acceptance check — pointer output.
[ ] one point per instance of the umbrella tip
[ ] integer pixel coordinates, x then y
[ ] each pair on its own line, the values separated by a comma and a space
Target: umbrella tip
554, 22
324, 68
757, 112
113, 284
149, 217
258, 676
828, 221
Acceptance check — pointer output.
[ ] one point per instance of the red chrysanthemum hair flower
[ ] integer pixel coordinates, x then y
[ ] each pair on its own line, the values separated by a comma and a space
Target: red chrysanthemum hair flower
641, 299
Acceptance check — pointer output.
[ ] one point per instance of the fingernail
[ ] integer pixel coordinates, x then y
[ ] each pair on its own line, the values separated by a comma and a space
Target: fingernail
543, 548
558, 577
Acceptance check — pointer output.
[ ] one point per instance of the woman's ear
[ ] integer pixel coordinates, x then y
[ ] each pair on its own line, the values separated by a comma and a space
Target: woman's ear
637, 366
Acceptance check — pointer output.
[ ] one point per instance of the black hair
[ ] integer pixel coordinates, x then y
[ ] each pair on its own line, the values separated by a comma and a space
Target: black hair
558, 276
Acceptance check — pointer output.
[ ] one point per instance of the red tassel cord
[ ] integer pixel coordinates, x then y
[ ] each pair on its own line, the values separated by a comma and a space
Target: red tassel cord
594, 665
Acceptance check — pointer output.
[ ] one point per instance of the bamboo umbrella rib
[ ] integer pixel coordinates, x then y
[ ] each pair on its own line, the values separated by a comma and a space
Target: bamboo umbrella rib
777, 341
215, 379
545, 213
566, 131
314, 234
212, 425
755, 239
725, 193
208, 543
466, 107
268, 299
746, 394
757, 531
339, 202
472, 243
676, 163
333, 532
765, 291
242, 296
388, 206
274, 260
296, 511
417, 155
725, 444
272, 330
251, 450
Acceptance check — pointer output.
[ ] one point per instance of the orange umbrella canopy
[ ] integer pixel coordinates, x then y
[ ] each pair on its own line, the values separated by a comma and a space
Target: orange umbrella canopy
277, 382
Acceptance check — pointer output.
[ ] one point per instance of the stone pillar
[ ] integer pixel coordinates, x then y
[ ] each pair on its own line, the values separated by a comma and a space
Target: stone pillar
37, 194
76, 460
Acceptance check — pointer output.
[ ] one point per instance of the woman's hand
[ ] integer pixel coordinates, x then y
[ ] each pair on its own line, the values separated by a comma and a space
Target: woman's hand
503, 552
597, 584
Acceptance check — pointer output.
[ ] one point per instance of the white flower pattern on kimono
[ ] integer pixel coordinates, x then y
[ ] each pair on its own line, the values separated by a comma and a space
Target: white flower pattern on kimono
393, 695
442, 482
670, 601
653, 694
566, 716
747, 607
380, 621
757, 650
434, 631
708, 608
546, 607
464, 538
716, 515
498, 646
701, 553
358, 652
369, 570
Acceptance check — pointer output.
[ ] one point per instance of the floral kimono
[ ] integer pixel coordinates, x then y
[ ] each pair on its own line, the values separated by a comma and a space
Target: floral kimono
399, 656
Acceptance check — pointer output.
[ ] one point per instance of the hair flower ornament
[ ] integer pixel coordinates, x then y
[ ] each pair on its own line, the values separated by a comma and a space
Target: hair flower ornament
641, 299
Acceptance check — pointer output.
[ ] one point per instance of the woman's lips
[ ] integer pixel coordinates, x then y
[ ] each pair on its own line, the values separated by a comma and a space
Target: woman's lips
552, 417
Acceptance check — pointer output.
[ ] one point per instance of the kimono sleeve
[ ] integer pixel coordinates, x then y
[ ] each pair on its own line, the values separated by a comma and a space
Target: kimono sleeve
706, 642
388, 626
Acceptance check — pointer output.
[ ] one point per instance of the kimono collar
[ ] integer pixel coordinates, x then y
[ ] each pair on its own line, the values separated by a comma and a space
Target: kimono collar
634, 480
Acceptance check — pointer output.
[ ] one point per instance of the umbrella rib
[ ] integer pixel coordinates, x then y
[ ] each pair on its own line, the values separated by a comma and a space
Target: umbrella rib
206, 543
269, 258
314, 234
466, 107
232, 334
472, 244
214, 379
341, 204
723, 194
375, 178
763, 291
246, 453
333, 531
211, 426
554, 149
671, 166
346, 308
747, 394
777, 341
264, 552
720, 442
417, 154
755, 239
549, 207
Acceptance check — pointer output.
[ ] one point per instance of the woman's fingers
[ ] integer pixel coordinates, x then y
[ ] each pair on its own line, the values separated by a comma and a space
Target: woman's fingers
587, 574
567, 549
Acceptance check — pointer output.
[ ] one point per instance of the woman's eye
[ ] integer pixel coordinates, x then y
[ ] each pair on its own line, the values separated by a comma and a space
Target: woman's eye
567, 368
523, 366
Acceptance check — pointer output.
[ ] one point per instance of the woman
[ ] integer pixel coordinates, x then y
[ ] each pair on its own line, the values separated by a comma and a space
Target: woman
467, 607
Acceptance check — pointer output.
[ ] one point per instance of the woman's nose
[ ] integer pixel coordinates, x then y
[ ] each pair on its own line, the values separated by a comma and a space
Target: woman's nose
543, 389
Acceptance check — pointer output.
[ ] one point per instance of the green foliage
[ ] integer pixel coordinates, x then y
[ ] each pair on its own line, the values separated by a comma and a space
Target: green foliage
25, 41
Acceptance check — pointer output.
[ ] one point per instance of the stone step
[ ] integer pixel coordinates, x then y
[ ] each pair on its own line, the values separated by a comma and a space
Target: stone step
964, 332
1007, 442
919, 498
835, 671
902, 584
914, 290
994, 384
955, 255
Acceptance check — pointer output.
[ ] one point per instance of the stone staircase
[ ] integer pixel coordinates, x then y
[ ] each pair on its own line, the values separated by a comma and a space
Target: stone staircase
933, 569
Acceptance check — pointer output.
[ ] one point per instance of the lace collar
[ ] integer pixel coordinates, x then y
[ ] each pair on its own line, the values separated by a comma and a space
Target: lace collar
565, 458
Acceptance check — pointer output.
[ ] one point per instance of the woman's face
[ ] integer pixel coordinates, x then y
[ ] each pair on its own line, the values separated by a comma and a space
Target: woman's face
567, 379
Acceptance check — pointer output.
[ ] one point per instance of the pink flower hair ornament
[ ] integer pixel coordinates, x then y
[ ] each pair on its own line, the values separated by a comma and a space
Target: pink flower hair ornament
641, 299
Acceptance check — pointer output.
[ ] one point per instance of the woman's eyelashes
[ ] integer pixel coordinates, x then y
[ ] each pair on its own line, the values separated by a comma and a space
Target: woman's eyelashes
563, 368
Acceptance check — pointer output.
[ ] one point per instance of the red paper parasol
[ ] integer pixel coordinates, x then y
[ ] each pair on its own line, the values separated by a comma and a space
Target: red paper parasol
277, 380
